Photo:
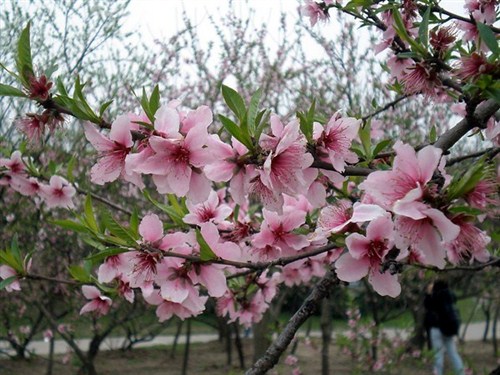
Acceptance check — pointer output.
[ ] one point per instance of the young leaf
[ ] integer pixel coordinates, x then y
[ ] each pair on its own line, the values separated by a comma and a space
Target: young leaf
103, 107
6, 90
71, 225
154, 100
380, 146
253, 109
488, 37
433, 134
234, 101
423, 30
116, 229
79, 273
23, 60
89, 215
110, 251
206, 253
236, 131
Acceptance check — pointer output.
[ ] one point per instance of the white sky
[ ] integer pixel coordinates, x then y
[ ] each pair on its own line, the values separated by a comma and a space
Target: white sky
163, 18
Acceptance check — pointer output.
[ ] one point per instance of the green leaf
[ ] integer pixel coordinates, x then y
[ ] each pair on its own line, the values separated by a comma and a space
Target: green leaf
71, 225
23, 60
117, 229
60, 87
103, 107
89, 215
154, 100
145, 106
364, 136
172, 213
5, 283
236, 131
462, 185
488, 37
110, 251
261, 121
134, 223
423, 30
14, 248
6, 90
252, 112
465, 210
79, 274
234, 101
400, 29
380, 146
70, 168
433, 134
206, 253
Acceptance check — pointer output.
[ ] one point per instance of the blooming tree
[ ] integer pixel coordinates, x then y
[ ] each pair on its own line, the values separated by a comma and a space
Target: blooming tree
244, 202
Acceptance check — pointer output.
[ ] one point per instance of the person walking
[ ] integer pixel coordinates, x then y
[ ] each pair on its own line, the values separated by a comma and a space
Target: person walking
442, 323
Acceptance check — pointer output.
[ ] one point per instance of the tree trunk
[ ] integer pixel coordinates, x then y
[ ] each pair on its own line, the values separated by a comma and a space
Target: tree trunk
261, 337
186, 348
494, 330
326, 335
487, 313
473, 312
50, 364
239, 347
229, 344
176, 338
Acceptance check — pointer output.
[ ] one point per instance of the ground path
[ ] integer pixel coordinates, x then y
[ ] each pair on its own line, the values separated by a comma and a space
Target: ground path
474, 333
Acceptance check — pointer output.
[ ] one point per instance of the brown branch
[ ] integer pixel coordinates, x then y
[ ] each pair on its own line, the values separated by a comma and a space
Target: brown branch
490, 152
349, 171
494, 262
32, 276
385, 107
254, 266
438, 9
308, 308
481, 115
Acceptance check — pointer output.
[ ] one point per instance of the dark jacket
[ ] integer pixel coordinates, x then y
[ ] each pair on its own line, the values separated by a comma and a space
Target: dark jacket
436, 305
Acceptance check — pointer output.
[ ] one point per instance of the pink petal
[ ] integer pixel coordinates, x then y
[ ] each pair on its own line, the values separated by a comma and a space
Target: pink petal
202, 116
214, 280
120, 131
366, 212
167, 122
90, 306
99, 141
151, 228
199, 187
380, 228
350, 269
358, 245
428, 161
385, 284
448, 230
90, 292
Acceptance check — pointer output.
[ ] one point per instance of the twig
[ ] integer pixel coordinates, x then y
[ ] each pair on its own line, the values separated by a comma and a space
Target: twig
385, 107
490, 152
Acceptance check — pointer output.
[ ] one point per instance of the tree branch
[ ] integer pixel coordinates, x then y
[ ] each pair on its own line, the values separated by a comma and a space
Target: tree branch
310, 305
482, 113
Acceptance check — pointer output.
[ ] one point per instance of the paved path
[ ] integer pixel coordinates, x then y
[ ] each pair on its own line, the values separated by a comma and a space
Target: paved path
474, 333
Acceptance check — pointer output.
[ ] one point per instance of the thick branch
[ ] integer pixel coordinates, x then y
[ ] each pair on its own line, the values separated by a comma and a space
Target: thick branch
482, 113
310, 305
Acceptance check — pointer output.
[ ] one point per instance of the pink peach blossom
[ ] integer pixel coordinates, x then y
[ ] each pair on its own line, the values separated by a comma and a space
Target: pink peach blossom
98, 303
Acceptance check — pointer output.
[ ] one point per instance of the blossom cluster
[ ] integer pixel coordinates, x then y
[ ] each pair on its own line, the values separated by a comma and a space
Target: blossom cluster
13, 173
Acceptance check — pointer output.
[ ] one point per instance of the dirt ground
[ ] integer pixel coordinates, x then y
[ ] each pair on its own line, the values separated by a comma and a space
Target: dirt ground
211, 359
